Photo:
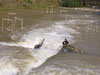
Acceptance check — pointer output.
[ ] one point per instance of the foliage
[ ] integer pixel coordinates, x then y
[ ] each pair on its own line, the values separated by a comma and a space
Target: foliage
1, 4
25, 6
70, 3
51, 3
30, 1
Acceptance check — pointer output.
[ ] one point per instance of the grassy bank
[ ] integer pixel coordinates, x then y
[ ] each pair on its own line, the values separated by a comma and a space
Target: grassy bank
6, 8
42, 4
27, 4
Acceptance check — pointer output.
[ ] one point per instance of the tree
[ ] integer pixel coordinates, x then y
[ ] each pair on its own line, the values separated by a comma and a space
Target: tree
71, 3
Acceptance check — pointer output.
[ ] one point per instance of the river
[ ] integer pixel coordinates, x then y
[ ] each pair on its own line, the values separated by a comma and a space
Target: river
80, 26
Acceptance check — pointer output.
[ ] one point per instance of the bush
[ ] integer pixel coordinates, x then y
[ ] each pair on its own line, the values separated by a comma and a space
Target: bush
30, 1
25, 6
51, 4
1, 4
71, 3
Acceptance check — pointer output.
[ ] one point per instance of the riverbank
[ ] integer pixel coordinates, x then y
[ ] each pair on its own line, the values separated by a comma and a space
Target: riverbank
22, 7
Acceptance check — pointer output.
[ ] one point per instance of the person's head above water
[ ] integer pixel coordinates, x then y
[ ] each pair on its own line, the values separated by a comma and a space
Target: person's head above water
65, 39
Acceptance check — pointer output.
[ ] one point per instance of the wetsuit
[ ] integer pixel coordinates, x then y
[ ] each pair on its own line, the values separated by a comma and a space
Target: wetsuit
39, 45
65, 42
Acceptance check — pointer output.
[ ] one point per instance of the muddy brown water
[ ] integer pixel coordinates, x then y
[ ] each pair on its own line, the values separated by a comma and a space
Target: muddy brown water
81, 27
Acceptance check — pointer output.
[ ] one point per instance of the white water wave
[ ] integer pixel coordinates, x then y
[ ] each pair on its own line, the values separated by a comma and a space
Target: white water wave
54, 35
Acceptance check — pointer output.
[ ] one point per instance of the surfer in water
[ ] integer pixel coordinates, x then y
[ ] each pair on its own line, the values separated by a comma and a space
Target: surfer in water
69, 48
65, 43
37, 46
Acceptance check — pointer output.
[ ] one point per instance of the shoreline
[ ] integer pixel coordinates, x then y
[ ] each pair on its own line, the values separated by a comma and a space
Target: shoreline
45, 7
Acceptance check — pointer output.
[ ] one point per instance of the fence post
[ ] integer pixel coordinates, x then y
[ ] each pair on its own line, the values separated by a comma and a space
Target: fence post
2, 25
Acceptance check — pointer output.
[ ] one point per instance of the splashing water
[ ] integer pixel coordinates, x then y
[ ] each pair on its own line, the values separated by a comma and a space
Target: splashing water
23, 63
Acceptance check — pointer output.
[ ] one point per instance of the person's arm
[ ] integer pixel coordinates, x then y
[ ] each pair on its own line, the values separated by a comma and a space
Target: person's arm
63, 43
42, 42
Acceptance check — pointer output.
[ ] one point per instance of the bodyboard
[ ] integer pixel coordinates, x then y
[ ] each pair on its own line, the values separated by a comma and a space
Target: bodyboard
70, 48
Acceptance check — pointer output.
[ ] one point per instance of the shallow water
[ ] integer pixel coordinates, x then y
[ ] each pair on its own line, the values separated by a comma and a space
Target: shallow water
80, 27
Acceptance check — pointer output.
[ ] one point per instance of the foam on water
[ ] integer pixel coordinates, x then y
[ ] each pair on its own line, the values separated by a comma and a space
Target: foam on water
6, 67
54, 35
54, 70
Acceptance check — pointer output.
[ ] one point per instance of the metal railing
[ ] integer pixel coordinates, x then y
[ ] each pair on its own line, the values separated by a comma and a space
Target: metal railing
12, 21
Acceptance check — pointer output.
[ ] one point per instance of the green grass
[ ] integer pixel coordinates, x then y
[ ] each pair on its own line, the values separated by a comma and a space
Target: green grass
71, 3
18, 7
24, 6
1, 4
